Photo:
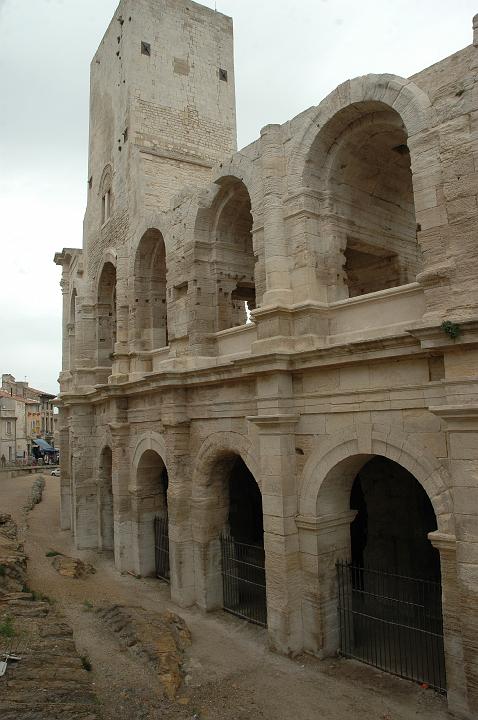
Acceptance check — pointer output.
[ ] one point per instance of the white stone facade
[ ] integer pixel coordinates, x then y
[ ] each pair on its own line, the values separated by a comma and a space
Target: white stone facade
350, 232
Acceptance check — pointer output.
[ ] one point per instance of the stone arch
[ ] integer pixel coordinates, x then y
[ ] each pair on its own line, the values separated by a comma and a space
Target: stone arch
148, 492
223, 221
210, 505
325, 515
222, 444
109, 256
154, 220
341, 456
105, 192
106, 313
149, 303
71, 328
150, 440
105, 499
106, 179
355, 163
388, 90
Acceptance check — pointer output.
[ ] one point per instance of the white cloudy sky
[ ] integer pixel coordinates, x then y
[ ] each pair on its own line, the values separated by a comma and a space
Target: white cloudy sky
289, 55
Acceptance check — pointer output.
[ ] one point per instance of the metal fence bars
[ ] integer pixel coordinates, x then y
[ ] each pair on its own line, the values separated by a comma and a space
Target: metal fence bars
392, 622
161, 547
244, 580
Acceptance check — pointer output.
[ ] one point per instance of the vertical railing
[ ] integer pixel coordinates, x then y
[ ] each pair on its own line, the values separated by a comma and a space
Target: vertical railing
244, 580
161, 547
392, 622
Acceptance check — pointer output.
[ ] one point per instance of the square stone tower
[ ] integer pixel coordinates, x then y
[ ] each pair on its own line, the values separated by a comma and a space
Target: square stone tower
162, 112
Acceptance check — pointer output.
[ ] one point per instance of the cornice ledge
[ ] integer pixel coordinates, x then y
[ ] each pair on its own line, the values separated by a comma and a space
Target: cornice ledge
278, 419
442, 541
455, 412
324, 522
117, 428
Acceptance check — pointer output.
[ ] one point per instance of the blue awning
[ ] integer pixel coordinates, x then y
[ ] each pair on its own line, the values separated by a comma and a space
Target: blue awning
43, 445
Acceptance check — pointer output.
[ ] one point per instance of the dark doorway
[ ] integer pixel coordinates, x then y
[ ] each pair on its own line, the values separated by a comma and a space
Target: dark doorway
242, 549
390, 593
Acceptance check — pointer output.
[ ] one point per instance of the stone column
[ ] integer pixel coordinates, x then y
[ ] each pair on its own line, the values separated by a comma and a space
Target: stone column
452, 630
277, 259
84, 485
276, 424
323, 541
65, 291
121, 474
462, 432
85, 343
181, 549
120, 365
65, 477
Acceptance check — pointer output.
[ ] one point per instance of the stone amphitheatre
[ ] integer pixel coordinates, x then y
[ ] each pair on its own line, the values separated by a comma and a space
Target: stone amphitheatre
269, 393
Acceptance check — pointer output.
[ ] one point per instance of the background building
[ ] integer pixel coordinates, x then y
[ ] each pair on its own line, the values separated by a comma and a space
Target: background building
28, 414
315, 469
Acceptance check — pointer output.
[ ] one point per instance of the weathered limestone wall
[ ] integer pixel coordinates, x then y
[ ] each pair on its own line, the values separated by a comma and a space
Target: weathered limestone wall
350, 233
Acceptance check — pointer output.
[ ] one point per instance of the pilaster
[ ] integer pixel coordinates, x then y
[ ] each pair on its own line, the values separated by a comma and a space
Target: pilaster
276, 425
176, 426
462, 436
84, 486
323, 541
121, 471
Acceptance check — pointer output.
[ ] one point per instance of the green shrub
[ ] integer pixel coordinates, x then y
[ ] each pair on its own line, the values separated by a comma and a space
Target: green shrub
6, 628
85, 661
451, 329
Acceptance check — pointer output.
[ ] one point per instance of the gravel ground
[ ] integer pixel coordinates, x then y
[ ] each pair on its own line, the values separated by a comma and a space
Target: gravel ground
230, 673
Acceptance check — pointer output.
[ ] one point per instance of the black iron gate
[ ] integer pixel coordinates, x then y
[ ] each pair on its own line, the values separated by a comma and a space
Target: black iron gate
244, 580
161, 547
392, 622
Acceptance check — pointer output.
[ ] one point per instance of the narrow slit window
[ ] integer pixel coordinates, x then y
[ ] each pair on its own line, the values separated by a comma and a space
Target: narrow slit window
223, 74
145, 48
105, 207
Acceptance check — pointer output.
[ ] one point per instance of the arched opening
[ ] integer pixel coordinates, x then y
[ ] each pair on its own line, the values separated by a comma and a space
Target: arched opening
150, 305
234, 256
150, 505
105, 501
72, 332
362, 161
394, 517
385, 591
230, 540
106, 315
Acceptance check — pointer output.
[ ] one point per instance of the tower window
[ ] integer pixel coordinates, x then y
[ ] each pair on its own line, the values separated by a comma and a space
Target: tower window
223, 74
145, 48
105, 207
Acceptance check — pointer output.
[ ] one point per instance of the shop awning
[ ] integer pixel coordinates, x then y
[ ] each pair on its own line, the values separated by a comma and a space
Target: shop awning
43, 445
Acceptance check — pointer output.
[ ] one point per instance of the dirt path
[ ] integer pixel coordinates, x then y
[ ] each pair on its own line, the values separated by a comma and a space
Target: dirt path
231, 675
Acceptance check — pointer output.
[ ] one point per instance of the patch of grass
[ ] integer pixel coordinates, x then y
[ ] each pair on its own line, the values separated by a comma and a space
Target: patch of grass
40, 597
87, 605
452, 329
85, 661
52, 553
37, 596
6, 628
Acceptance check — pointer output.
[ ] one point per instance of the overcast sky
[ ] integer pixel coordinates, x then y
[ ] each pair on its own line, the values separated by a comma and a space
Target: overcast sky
289, 55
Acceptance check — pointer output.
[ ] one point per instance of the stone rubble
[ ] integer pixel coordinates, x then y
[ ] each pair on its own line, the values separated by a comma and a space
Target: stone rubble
36, 493
72, 567
50, 681
157, 638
